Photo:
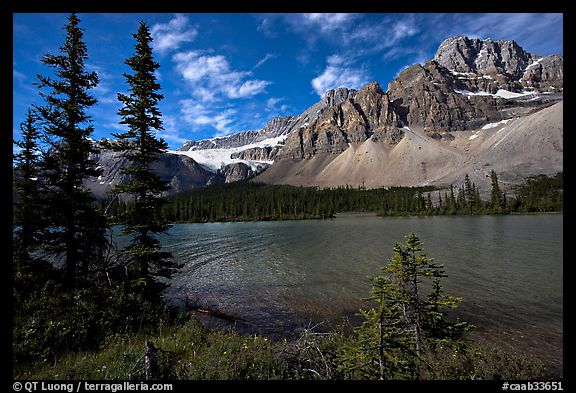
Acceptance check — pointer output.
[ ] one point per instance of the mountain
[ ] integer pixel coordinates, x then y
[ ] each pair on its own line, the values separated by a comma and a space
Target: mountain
499, 64
477, 105
182, 173
434, 123
258, 149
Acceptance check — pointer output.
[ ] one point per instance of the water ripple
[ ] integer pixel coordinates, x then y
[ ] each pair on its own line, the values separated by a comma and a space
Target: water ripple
277, 275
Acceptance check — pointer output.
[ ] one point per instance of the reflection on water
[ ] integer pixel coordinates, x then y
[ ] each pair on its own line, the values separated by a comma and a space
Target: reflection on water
278, 276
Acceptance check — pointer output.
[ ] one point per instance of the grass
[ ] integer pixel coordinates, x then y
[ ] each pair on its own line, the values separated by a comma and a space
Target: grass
190, 352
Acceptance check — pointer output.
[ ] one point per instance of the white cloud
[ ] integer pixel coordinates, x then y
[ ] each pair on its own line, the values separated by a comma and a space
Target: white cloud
104, 91
311, 26
374, 37
199, 116
171, 137
212, 76
169, 36
248, 89
328, 22
267, 22
532, 31
115, 126
338, 73
273, 105
264, 60
171, 132
402, 29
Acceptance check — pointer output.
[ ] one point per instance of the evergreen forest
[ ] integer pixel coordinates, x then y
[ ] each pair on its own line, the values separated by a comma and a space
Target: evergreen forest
249, 200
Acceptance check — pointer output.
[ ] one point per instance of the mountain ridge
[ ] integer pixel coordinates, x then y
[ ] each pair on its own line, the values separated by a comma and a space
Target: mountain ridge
375, 131
350, 136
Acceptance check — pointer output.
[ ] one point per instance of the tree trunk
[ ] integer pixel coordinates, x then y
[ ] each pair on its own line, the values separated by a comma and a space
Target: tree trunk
381, 345
150, 362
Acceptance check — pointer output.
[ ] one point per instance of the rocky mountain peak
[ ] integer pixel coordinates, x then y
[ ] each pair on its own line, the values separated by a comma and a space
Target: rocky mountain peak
336, 96
371, 88
486, 57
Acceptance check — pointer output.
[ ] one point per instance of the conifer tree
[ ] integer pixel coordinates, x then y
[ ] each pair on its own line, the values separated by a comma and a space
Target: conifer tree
497, 199
27, 182
141, 115
477, 200
405, 321
451, 204
77, 228
469, 193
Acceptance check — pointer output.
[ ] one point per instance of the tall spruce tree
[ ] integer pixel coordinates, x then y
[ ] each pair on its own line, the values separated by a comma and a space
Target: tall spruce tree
27, 183
77, 228
141, 147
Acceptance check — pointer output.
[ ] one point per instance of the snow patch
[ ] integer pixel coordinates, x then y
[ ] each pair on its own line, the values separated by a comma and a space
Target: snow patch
479, 58
492, 125
469, 75
214, 159
466, 74
508, 94
533, 64
500, 93
473, 137
472, 93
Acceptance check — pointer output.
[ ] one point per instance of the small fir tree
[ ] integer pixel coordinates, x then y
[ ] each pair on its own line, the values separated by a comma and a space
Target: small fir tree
469, 193
405, 322
496, 197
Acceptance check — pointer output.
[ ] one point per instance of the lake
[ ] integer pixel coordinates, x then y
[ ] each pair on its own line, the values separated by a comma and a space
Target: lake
277, 277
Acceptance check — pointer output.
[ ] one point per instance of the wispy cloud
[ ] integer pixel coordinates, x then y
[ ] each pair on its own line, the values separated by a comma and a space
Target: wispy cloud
532, 31
268, 56
339, 73
16, 75
171, 131
170, 36
326, 22
266, 25
528, 29
274, 105
372, 36
312, 27
104, 91
212, 76
200, 115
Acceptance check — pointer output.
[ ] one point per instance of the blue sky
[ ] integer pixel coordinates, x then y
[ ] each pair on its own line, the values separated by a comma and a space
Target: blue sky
224, 73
